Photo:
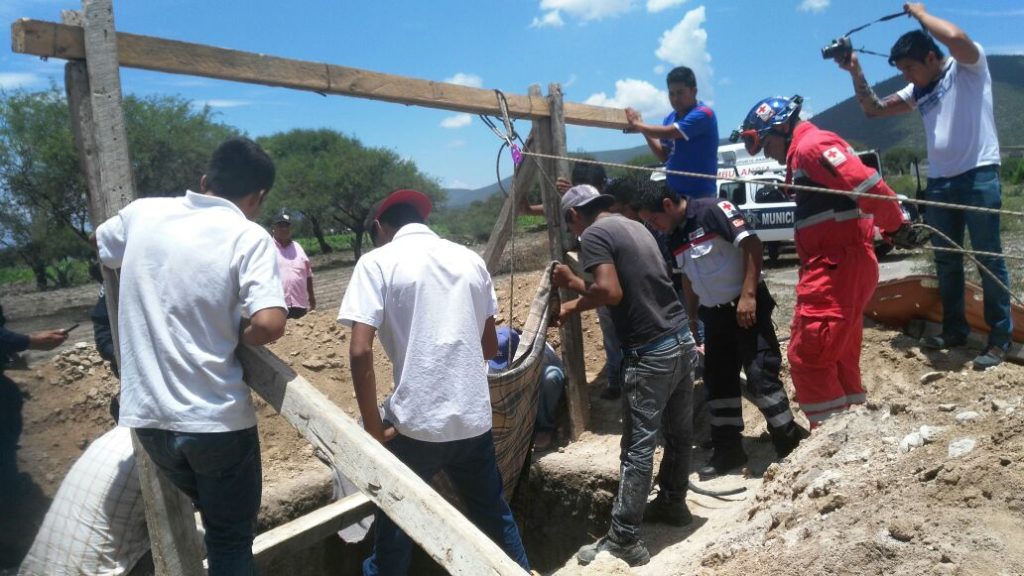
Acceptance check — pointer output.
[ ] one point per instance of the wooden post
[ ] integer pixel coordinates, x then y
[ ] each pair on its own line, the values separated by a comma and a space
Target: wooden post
503, 227
94, 99
448, 537
552, 137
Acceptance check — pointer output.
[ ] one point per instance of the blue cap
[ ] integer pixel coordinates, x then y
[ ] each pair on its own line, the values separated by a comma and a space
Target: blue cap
501, 360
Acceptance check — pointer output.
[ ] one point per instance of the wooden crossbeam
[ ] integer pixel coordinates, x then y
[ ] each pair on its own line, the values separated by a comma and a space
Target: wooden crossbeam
445, 534
306, 531
53, 40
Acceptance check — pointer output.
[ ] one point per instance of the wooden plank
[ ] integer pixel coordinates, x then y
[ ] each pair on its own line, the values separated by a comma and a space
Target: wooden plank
523, 179
52, 40
308, 530
449, 538
94, 99
577, 398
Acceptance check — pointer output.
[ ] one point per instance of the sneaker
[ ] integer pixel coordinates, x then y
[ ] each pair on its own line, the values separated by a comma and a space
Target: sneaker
993, 356
942, 342
610, 393
634, 554
661, 511
787, 438
722, 461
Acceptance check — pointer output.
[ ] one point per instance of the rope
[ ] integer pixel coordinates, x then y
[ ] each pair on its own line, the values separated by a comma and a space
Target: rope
508, 137
803, 187
956, 248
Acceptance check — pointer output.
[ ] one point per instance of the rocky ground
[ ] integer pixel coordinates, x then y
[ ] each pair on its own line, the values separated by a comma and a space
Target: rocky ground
926, 479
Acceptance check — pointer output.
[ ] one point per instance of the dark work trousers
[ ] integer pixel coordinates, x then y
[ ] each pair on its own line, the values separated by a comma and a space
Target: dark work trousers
10, 430
729, 348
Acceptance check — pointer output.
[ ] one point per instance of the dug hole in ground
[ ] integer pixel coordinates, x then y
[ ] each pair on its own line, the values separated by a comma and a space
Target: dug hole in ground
927, 478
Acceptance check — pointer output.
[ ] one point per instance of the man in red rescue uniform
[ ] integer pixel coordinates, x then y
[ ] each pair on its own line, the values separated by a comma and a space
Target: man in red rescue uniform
834, 239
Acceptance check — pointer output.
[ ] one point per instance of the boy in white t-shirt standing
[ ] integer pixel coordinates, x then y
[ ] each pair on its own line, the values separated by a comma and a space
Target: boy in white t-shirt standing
191, 267
954, 96
433, 304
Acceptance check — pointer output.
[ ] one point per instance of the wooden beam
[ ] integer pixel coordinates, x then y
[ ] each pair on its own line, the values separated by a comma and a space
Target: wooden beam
303, 532
523, 179
94, 100
52, 40
449, 538
571, 332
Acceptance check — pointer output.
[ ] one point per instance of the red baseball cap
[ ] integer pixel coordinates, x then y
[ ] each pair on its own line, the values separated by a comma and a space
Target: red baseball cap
417, 200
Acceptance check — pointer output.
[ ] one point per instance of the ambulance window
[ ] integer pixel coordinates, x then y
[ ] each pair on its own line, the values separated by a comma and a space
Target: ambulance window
735, 192
767, 194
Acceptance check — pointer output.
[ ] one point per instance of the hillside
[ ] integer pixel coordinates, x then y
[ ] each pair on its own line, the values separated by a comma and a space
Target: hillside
847, 119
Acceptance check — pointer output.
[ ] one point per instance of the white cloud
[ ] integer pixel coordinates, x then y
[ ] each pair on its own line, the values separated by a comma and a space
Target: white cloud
463, 79
660, 69
457, 121
686, 44
457, 184
638, 94
654, 6
725, 81
582, 10
456, 144
549, 20
221, 103
15, 80
572, 80
813, 5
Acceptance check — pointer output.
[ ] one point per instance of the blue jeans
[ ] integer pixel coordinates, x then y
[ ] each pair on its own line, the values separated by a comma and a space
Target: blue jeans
612, 348
552, 384
979, 187
221, 472
657, 394
473, 471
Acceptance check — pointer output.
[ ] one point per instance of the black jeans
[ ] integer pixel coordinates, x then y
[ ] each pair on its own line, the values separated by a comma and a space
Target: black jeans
657, 393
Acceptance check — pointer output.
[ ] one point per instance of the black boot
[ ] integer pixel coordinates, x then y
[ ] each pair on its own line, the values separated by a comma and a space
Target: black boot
785, 438
663, 511
723, 459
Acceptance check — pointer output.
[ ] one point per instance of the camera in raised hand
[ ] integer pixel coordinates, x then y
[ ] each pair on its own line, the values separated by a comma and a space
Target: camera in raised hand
839, 50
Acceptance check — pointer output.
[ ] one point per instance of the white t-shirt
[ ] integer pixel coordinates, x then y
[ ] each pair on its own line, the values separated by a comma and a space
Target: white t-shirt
429, 300
958, 120
190, 268
97, 522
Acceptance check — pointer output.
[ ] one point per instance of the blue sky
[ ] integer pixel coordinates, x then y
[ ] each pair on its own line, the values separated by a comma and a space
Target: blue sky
611, 52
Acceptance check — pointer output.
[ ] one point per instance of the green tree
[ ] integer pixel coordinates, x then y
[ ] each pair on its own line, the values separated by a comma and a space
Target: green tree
332, 180
897, 161
170, 142
43, 207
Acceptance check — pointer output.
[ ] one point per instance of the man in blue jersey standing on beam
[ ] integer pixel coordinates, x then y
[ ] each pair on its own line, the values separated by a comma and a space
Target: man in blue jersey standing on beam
687, 141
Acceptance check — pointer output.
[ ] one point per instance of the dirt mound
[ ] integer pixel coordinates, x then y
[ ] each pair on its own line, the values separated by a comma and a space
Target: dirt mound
928, 478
